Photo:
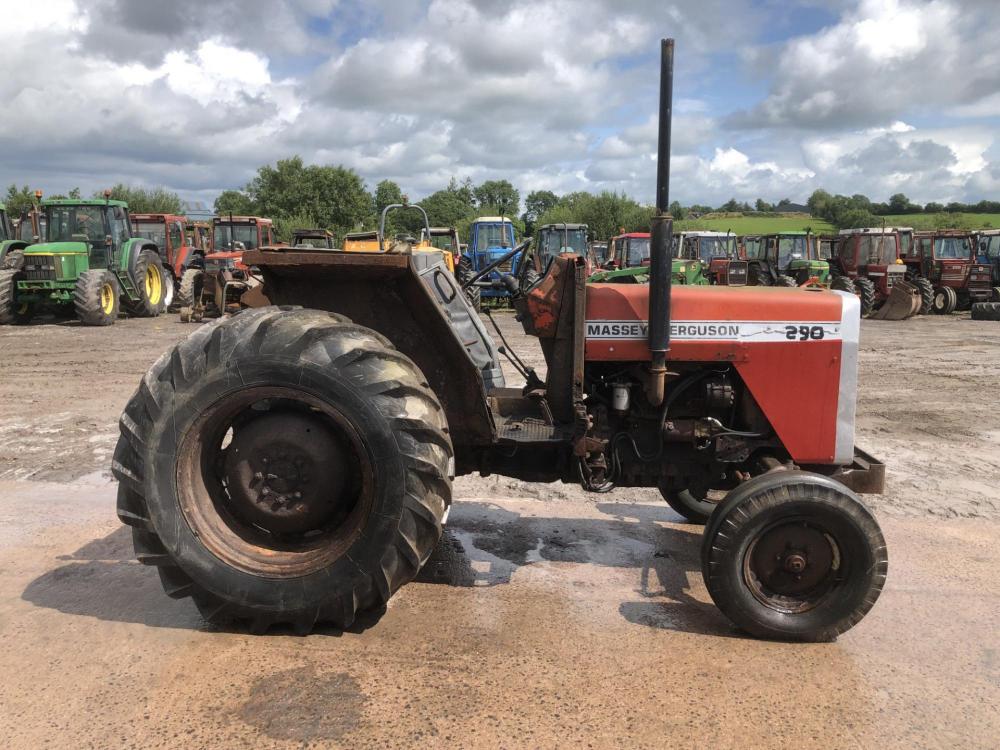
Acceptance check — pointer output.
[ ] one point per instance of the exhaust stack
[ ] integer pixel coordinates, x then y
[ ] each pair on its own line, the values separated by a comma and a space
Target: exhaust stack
662, 231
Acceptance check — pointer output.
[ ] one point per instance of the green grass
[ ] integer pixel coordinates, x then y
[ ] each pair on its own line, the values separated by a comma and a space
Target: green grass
756, 224
945, 221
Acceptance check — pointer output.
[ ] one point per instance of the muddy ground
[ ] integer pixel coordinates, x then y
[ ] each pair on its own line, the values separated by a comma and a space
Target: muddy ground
548, 617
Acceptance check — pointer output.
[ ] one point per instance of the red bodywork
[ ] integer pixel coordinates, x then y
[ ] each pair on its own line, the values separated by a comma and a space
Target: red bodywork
175, 248
617, 247
847, 257
792, 349
962, 274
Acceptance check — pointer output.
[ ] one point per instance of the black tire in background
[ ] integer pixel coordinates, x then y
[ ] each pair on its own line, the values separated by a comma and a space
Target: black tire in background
371, 400
844, 284
149, 288
986, 311
96, 297
695, 506
865, 290
784, 280
189, 289
926, 289
8, 292
464, 273
785, 524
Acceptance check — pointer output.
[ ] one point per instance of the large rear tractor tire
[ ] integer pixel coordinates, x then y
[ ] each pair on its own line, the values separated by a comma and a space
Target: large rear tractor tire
284, 467
945, 300
865, 290
986, 311
150, 285
189, 289
794, 556
926, 289
95, 298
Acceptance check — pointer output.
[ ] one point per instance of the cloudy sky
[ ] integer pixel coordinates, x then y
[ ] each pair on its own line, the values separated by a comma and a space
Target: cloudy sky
773, 98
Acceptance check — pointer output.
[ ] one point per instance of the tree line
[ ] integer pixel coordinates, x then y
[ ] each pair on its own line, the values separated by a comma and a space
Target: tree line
298, 195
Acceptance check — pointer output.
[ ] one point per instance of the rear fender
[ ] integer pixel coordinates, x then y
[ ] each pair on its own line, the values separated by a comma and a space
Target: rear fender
385, 292
8, 246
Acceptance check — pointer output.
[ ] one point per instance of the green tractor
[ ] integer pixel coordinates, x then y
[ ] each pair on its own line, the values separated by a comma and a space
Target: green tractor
88, 262
628, 262
8, 241
790, 259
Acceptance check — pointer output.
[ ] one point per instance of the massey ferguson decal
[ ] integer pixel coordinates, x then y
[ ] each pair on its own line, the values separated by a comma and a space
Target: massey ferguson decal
717, 330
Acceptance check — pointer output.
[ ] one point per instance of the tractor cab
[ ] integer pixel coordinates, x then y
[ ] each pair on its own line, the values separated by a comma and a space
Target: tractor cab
316, 239
597, 254
629, 260
198, 234
89, 259
6, 227
719, 256
786, 259
555, 239
169, 233
239, 233
491, 238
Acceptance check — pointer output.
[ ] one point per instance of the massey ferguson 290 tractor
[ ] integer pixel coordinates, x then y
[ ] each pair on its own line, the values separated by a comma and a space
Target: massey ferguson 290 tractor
293, 464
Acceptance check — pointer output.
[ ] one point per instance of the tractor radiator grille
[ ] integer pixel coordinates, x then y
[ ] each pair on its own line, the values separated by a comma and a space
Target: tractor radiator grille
42, 269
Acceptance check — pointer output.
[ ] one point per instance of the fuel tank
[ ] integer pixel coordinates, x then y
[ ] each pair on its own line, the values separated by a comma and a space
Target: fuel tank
795, 349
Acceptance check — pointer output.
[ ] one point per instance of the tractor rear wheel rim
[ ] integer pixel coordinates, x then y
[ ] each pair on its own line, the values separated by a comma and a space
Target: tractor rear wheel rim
275, 481
791, 566
107, 298
154, 285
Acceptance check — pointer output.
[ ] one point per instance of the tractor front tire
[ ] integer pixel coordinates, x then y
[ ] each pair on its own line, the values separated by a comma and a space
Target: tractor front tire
926, 289
793, 555
149, 279
284, 467
95, 298
784, 280
865, 290
986, 311
996, 294
945, 300
13, 261
189, 290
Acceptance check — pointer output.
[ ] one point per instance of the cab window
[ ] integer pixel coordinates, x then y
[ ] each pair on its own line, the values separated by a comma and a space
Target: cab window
176, 235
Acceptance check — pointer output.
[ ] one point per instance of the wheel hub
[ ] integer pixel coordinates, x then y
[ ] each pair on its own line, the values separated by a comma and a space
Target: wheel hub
285, 473
791, 564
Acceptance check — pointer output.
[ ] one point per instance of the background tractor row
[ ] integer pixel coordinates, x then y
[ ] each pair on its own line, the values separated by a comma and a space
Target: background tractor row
89, 262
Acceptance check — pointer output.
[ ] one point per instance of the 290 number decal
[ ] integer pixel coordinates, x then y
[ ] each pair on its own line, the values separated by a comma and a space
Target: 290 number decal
804, 333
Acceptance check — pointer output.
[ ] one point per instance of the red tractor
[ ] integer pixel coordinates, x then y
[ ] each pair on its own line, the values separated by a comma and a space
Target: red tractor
179, 251
870, 258
293, 464
215, 283
947, 260
719, 254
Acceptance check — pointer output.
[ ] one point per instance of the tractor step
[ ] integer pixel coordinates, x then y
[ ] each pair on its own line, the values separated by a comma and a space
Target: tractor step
520, 419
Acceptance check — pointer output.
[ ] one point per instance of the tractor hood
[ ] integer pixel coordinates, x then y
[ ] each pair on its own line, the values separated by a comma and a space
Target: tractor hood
58, 248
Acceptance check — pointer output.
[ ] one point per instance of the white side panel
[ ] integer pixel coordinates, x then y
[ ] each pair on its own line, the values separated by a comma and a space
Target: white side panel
847, 400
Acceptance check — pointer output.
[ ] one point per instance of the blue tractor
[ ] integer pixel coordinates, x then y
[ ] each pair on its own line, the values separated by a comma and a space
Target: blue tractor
491, 238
